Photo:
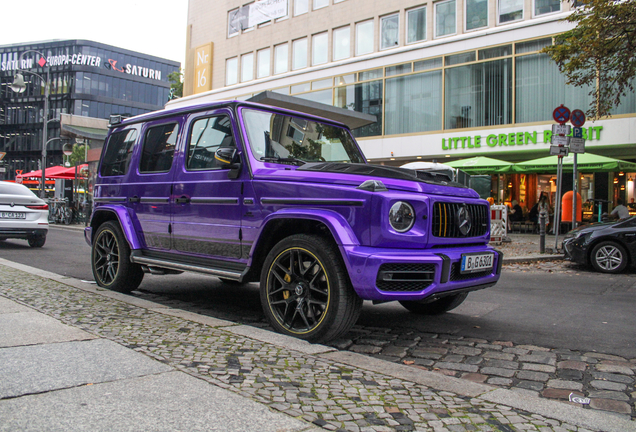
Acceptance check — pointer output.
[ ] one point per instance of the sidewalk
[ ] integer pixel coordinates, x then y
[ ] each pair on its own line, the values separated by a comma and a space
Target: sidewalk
77, 357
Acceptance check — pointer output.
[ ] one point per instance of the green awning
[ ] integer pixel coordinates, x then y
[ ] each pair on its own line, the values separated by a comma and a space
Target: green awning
482, 165
86, 132
585, 162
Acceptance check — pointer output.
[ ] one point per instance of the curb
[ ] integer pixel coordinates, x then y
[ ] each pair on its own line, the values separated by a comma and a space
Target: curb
565, 412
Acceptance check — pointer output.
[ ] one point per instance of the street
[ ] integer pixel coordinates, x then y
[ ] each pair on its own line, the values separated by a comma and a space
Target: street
548, 328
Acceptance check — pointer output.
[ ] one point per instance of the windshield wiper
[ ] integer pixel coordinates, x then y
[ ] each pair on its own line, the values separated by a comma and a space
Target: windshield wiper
279, 159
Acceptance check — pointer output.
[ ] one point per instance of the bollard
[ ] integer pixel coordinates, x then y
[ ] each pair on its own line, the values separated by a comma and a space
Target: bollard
542, 215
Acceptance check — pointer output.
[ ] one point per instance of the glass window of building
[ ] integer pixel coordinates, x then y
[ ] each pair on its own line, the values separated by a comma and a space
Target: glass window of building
539, 85
445, 18
247, 67
337, 1
234, 22
299, 53
364, 37
263, 60
416, 25
476, 14
231, 71
478, 94
319, 4
341, 43
319, 48
546, 6
281, 58
389, 31
413, 103
510, 10
301, 7
366, 98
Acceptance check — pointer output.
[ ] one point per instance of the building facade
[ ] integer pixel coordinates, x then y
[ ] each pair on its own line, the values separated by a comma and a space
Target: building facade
446, 79
86, 79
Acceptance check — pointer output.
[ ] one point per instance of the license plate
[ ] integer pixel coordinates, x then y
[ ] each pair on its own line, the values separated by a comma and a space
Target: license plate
475, 262
12, 215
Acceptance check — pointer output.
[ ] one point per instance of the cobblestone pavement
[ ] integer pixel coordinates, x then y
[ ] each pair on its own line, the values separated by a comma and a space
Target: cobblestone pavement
607, 380
327, 393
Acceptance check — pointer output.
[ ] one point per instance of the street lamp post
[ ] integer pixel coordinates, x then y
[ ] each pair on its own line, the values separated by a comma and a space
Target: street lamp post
19, 86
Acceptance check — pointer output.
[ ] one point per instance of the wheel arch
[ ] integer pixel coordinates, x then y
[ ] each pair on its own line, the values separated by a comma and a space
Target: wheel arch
119, 215
327, 224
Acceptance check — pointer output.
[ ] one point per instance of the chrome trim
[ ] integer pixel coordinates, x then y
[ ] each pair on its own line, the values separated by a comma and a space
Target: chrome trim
186, 267
313, 201
214, 201
157, 200
109, 199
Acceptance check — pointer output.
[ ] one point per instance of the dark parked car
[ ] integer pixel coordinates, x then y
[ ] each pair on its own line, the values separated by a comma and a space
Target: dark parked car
609, 247
248, 192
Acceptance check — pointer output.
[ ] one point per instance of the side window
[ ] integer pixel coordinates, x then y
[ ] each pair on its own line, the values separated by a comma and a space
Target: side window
208, 134
118, 154
158, 148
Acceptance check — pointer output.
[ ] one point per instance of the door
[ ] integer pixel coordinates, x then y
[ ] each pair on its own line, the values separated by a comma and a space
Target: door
207, 204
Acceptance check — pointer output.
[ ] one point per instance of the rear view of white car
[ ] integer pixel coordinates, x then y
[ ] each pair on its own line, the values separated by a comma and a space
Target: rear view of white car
22, 214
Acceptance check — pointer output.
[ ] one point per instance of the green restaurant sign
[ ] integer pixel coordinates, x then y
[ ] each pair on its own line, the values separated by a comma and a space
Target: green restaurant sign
511, 139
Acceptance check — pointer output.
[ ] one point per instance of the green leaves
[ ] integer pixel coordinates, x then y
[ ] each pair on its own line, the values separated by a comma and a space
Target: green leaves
600, 51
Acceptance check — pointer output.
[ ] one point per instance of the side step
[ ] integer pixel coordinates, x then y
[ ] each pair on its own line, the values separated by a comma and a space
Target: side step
172, 265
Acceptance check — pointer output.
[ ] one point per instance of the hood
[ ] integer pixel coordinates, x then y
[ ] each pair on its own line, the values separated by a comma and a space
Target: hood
603, 225
352, 174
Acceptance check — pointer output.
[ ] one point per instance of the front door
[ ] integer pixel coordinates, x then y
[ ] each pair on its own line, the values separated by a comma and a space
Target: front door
206, 203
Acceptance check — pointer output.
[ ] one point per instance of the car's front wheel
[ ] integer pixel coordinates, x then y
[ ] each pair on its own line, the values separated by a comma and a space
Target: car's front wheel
305, 289
110, 259
436, 307
609, 257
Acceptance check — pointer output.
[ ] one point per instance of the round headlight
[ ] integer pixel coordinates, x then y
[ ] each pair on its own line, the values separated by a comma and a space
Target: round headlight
402, 216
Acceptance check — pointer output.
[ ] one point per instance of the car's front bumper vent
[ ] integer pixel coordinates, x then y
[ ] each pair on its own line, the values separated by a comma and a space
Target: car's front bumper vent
405, 277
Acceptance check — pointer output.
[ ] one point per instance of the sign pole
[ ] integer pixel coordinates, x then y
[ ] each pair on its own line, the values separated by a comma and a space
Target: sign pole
577, 146
575, 180
557, 210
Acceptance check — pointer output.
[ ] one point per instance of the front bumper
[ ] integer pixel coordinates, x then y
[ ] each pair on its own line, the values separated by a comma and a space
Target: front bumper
575, 250
429, 273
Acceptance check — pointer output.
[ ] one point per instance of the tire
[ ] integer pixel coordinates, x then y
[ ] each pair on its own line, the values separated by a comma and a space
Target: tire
305, 290
110, 260
436, 307
68, 216
37, 241
609, 257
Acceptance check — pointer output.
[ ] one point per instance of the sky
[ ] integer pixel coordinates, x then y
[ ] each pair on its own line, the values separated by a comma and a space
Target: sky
156, 27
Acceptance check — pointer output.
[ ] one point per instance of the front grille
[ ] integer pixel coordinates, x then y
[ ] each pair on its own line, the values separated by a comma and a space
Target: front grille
445, 223
456, 274
405, 277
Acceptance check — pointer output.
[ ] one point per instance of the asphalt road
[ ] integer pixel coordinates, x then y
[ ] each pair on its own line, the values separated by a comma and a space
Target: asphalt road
568, 307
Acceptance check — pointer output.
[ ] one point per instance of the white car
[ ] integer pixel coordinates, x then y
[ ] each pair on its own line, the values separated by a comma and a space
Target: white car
22, 214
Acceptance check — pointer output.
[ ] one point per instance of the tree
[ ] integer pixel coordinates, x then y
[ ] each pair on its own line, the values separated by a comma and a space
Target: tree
176, 84
79, 154
599, 52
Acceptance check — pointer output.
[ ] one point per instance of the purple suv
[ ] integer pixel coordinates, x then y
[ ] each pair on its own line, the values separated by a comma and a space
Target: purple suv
248, 192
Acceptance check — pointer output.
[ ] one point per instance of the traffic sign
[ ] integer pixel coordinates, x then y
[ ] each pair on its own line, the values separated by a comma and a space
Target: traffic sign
577, 132
561, 114
558, 150
2, 155
560, 140
577, 145
561, 129
578, 118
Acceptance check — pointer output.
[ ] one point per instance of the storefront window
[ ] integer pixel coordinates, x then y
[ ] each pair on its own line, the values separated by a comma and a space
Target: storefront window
476, 14
414, 103
365, 98
479, 94
540, 88
445, 18
322, 96
416, 22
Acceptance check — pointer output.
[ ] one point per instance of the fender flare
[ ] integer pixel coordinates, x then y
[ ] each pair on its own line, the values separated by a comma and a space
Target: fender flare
125, 221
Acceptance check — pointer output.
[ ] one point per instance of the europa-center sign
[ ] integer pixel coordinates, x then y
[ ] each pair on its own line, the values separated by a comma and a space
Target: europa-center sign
79, 60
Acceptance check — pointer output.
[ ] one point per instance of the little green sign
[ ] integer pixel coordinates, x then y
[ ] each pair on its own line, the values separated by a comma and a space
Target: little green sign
512, 139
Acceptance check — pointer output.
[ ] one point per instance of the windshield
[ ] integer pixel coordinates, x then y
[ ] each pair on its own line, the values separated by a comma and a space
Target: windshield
282, 138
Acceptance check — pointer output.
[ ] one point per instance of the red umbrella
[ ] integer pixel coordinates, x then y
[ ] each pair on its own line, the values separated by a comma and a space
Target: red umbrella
50, 172
69, 173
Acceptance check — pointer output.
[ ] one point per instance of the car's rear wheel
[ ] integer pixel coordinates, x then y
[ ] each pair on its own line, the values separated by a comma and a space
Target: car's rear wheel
609, 257
305, 289
110, 259
436, 307
37, 241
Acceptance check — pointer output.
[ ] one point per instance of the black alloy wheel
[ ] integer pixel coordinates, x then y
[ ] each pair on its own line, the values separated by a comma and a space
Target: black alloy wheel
436, 307
305, 290
609, 257
110, 259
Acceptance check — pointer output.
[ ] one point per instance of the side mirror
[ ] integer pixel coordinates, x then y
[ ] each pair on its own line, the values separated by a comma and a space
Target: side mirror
228, 157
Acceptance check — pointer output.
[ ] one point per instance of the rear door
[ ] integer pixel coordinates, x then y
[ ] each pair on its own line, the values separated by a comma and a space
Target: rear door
207, 204
149, 198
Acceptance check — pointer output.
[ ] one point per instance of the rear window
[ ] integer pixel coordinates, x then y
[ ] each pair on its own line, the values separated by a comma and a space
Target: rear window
119, 149
158, 148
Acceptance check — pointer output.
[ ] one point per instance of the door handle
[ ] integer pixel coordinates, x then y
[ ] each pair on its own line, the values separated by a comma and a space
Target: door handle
182, 200
134, 199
